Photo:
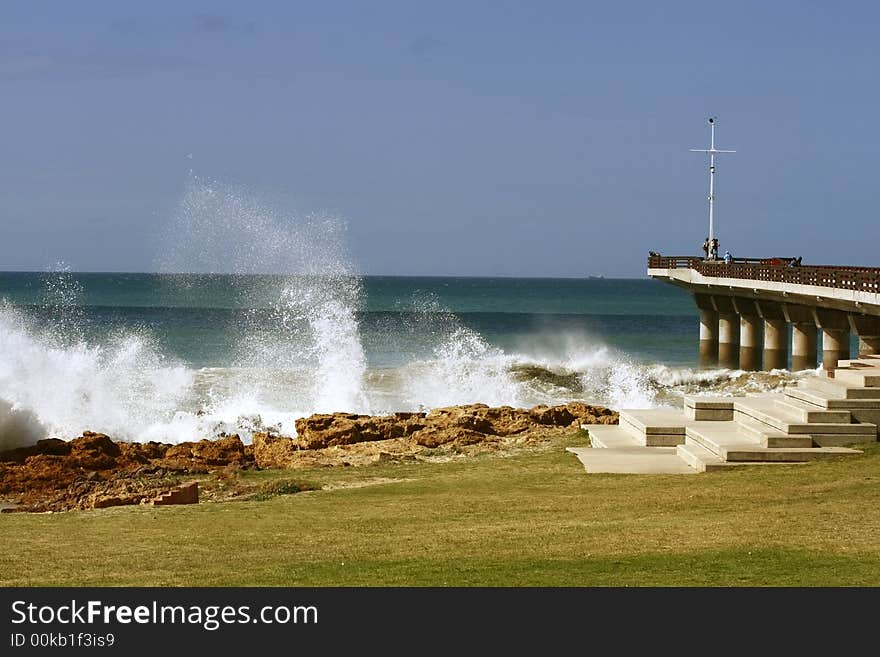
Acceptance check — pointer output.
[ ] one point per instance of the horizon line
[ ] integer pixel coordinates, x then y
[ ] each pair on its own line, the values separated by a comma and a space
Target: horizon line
156, 273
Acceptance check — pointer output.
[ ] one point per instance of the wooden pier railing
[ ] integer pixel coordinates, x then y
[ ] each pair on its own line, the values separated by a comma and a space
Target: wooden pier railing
781, 270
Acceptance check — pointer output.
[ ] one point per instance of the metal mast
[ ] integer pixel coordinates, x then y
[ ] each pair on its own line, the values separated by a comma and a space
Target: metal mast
712, 151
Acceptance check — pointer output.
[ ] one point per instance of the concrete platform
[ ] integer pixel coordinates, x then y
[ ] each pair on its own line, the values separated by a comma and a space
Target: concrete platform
840, 439
767, 436
663, 421
729, 444
700, 458
655, 427
863, 378
766, 410
610, 436
838, 389
809, 412
708, 408
632, 460
830, 401
646, 439
854, 364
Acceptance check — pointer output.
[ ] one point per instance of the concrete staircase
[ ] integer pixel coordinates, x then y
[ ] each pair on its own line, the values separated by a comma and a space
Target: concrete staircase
820, 417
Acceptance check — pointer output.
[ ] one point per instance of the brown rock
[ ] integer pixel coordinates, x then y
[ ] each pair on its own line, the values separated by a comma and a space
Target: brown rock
93, 471
94, 451
320, 431
587, 414
144, 452
556, 416
205, 455
104, 502
508, 421
328, 430
54, 446
436, 436
464, 425
220, 452
472, 418
272, 451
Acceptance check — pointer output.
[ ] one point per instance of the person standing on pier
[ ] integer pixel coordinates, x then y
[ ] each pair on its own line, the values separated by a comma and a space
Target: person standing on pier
714, 248
706, 249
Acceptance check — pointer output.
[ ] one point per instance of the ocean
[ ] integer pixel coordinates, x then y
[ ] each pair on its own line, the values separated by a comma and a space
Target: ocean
174, 357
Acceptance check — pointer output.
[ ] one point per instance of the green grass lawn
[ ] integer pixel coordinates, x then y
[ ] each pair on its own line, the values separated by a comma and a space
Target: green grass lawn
528, 520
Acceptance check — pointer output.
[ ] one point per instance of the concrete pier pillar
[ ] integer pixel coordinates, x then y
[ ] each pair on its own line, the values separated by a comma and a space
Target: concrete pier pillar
728, 340
868, 330
869, 345
835, 347
749, 342
708, 338
803, 346
775, 344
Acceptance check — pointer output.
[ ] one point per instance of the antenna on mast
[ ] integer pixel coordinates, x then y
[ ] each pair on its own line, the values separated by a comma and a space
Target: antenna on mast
712, 151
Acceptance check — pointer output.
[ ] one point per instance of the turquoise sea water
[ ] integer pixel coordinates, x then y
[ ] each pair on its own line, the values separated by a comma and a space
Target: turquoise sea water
197, 318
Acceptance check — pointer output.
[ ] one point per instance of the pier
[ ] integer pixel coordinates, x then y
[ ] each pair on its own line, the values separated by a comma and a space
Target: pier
748, 308
759, 313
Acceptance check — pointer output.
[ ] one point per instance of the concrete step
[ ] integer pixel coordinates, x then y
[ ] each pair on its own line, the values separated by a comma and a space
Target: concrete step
766, 410
861, 362
632, 460
652, 439
731, 447
655, 427
625, 429
665, 421
840, 439
700, 458
855, 364
862, 411
808, 412
717, 438
609, 436
809, 396
708, 408
832, 403
860, 379
770, 437
837, 389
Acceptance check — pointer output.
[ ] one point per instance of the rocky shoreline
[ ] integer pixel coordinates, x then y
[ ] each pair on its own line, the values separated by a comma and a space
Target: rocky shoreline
94, 471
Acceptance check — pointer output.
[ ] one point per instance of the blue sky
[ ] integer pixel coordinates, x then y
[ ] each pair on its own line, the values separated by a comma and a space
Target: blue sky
469, 138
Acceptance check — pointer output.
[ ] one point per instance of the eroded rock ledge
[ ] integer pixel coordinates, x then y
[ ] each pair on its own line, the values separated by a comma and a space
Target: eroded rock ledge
92, 471
348, 439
